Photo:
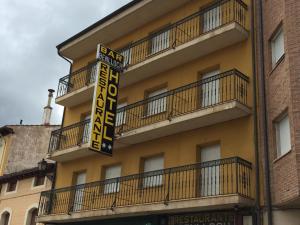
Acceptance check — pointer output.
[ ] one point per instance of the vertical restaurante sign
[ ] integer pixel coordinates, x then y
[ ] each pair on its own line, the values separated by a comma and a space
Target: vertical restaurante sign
104, 107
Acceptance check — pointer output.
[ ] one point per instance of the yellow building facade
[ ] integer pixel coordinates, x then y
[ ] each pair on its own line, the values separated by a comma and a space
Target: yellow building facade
183, 150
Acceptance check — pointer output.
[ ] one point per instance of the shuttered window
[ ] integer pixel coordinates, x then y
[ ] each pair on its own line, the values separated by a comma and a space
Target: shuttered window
157, 104
277, 43
112, 185
283, 136
121, 116
155, 178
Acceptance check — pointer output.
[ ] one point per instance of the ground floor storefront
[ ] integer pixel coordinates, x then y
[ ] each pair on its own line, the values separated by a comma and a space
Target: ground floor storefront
235, 217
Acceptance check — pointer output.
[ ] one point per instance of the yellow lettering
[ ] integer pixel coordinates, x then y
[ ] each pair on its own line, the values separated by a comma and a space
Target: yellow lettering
109, 118
112, 90
114, 75
103, 49
105, 136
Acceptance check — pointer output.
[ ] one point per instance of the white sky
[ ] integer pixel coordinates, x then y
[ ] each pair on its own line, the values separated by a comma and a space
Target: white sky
29, 64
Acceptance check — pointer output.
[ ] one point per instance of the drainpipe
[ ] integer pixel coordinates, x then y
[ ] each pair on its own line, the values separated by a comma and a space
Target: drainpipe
255, 121
63, 118
264, 118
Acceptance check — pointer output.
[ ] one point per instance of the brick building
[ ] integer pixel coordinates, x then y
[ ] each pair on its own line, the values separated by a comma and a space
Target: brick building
279, 77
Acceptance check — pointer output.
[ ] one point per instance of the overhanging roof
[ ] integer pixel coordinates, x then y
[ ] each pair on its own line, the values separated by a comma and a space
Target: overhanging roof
27, 173
121, 22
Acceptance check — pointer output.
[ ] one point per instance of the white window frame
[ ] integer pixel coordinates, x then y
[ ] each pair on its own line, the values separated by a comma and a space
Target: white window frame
121, 116
153, 180
160, 42
6, 210
112, 187
280, 151
28, 213
11, 192
210, 176
127, 53
38, 186
212, 19
276, 53
210, 90
157, 106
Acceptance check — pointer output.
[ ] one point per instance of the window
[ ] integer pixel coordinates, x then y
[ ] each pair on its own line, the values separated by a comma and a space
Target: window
211, 19
86, 128
158, 104
151, 164
5, 218
79, 179
112, 185
160, 41
32, 214
11, 186
210, 174
210, 89
277, 44
121, 116
38, 181
283, 136
91, 72
127, 56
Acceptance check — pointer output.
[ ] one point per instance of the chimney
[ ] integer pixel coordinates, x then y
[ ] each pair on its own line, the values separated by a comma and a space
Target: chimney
48, 108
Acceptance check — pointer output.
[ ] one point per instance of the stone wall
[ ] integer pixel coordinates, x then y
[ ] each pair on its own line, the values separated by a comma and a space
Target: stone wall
29, 144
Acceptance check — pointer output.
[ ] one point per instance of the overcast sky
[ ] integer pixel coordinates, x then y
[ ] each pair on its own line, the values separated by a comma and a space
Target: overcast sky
29, 64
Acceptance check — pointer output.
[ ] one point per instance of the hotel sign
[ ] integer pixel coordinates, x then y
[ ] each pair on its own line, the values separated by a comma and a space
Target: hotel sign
209, 218
104, 107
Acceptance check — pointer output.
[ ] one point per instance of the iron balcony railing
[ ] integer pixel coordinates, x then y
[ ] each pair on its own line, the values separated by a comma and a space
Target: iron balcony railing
206, 179
78, 79
205, 20
212, 17
215, 90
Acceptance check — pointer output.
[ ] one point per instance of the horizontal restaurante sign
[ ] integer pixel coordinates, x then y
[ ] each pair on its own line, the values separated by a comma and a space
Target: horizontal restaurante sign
205, 218
105, 100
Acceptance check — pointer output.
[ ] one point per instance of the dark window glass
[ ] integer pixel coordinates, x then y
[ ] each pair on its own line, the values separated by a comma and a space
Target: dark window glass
11, 186
39, 180
34, 214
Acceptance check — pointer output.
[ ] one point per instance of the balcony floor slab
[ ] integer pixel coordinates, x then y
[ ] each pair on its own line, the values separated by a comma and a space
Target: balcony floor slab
190, 205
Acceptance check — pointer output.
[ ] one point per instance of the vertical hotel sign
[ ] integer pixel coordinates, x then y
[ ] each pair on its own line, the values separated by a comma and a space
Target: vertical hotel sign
105, 100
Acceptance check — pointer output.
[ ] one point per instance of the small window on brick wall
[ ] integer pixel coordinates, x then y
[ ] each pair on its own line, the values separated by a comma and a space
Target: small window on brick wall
11, 186
283, 135
277, 45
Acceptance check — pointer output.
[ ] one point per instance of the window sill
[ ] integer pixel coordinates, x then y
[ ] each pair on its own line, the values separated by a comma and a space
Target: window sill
282, 156
280, 60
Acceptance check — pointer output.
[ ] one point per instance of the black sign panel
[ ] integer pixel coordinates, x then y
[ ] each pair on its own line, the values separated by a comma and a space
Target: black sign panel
205, 218
105, 100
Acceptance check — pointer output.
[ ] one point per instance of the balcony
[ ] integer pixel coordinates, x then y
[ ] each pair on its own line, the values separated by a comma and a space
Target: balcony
215, 27
217, 184
209, 101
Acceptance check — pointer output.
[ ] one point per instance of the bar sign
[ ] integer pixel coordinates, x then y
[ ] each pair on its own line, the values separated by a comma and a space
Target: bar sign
105, 100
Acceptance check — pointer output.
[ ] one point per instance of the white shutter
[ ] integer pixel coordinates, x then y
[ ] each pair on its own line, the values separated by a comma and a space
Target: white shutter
151, 164
157, 105
210, 89
79, 193
210, 175
121, 116
160, 42
283, 136
211, 19
86, 130
110, 173
127, 56
277, 47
